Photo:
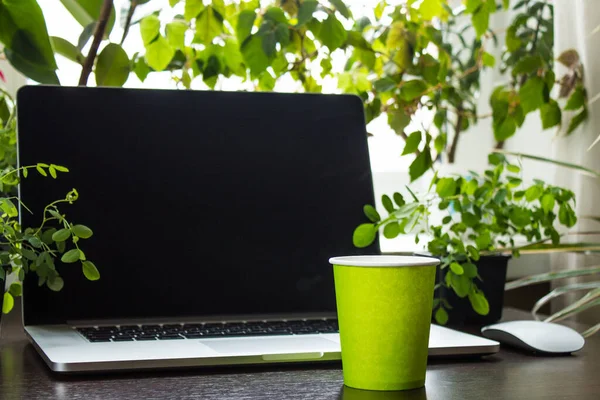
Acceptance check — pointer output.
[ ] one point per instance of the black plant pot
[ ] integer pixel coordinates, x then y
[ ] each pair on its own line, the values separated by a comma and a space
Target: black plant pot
492, 270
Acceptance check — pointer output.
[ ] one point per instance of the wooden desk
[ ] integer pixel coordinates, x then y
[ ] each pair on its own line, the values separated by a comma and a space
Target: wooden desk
507, 375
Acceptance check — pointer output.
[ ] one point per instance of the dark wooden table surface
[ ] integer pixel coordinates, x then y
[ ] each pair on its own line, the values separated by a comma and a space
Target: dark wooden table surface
509, 374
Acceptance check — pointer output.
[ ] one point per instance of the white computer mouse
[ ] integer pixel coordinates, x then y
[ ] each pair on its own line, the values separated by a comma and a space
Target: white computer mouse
536, 336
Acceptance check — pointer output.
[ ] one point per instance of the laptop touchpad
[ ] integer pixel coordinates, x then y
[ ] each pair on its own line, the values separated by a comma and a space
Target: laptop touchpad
272, 345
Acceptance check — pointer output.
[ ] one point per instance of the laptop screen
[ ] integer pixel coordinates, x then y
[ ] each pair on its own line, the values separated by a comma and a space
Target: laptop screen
201, 203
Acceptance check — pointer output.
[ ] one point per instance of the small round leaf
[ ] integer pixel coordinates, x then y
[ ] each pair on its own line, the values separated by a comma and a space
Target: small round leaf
441, 316
82, 231
8, 304
90, 271
71, 256
61, 235
479, 303
392, 230
364, 235
457, 268
55, 284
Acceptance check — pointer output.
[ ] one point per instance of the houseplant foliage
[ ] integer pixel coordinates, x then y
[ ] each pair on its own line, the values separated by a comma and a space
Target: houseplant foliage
482, 214
35, 249
405, 59
591, 289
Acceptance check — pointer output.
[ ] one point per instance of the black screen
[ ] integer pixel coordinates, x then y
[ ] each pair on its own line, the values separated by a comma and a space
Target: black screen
201, 203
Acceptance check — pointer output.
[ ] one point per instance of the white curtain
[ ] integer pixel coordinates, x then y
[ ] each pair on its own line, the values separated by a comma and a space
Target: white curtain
575, 23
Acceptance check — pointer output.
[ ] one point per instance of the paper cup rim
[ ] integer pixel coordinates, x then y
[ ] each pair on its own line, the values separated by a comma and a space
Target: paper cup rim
384, 261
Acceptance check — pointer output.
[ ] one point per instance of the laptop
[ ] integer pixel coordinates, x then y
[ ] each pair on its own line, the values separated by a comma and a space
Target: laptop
214, 217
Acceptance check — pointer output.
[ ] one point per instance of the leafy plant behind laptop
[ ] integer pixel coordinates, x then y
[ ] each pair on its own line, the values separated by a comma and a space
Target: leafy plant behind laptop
33, 249
481, 215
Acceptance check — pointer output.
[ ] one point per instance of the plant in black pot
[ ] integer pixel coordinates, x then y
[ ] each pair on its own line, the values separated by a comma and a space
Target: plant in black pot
473, 223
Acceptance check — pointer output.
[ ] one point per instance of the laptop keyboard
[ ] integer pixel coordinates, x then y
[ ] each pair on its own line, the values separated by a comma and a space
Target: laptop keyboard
129, 333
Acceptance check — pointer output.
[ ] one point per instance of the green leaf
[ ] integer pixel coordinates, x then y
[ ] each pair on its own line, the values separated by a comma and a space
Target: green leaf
88, 11
332, 33
488, 60
159, 54
306, 11
412, 143
28, 254
8, 303
515, 169
269, 43
431, 9
141, 69
71, 256
209, 25
371, 213
576, 167
244, 25
512, 40
532, 94
67, 50
398, 120
384, 85
398, 199
387, 203
505, 129
533, 193
548, 203
457, 268
527, 65
282, 34
364, 235
577, 120
483, 241
192, 9
461, 285
413, 89
176, 34
479, 303
149, 29
26, 42
446, 187
441, 316
90, 271
253, 53
576, 100
82, 231
341, 7
173, 3
392, 230
520, 217
469, 219
16, 289
551, 114
35, 242
112, 66
566, 215
55, 284
233, 57
420, 165
61, 235
470, 270
481, 21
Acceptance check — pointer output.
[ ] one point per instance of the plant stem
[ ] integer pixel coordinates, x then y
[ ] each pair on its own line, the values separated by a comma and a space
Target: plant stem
457, 130
98, 35
132, 6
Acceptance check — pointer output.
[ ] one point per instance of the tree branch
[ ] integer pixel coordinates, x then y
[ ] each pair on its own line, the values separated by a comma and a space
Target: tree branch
457, 130
98, 35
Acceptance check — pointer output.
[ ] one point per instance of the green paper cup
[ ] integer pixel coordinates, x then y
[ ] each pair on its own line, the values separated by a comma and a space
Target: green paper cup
384, 313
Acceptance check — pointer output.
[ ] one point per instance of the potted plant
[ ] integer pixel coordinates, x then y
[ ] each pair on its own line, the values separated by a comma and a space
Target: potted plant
470, 223
33, 250
591, 297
